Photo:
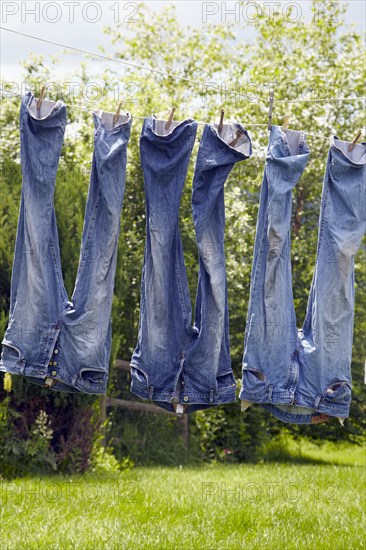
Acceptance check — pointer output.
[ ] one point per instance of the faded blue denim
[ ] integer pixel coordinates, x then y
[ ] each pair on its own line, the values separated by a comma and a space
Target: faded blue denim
182, 366
51, 340
304, 376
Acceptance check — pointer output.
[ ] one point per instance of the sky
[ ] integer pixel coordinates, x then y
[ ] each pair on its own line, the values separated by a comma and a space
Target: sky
80, 24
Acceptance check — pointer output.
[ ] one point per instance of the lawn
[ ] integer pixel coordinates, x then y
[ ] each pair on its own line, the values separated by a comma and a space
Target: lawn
315, 504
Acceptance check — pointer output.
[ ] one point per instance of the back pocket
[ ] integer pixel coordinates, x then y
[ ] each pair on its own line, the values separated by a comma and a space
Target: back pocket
339, 392
139, 375
254, 381
225, 381
93, 376
10, 352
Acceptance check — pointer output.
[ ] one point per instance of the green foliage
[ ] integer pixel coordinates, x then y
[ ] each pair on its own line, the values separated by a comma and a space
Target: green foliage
42, 431
103, 459
210, 426
20, 455
10, 447
148, 439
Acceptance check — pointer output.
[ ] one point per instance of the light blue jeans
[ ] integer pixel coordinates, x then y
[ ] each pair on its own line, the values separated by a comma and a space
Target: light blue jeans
179, 365
51, 340
304, 376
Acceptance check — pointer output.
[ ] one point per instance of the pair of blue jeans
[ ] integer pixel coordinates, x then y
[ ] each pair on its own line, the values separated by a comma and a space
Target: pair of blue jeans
182, 366
52, 340
304, 376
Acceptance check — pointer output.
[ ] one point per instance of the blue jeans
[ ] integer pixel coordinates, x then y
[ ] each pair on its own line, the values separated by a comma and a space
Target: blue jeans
51, 340
304, 376
180, 366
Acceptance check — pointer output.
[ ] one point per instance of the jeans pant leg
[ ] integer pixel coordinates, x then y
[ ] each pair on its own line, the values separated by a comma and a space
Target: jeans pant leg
270, 367
85, 336
208, 376
37, 292
327, 333
165, 310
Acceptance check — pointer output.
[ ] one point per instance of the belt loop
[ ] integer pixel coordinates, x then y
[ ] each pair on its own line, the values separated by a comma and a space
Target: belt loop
212, 393
151, 391
73, 380
270, 391
317, 401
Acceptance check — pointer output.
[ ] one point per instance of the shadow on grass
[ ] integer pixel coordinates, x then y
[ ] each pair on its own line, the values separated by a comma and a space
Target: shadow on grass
289, 456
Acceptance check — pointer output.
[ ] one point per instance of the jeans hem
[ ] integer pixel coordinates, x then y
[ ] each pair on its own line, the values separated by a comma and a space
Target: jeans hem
222, 396
68, 383
319, 406
322, 414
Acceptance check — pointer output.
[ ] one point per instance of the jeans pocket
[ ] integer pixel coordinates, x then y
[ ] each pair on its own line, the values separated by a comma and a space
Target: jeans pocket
254, 381
93, 376
139, 375
10, 352
339, 392
225, 381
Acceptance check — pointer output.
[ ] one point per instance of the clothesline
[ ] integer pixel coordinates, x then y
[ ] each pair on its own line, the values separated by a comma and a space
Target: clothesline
170, 75
74, 106
201, 123
108, 58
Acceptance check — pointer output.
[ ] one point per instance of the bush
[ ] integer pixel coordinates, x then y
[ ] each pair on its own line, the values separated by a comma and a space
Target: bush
19, 455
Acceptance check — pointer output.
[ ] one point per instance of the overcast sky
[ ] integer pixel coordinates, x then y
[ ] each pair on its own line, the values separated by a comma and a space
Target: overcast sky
81, 24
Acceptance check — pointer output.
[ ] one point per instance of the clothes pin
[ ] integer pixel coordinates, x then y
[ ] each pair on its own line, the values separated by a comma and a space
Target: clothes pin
286, 122
41, 97
221, 123
115, 118
169, 121
270, 108
355, 140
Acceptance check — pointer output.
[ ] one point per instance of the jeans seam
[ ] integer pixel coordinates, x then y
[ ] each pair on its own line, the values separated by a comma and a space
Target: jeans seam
61, 118
320, 240
322, 225
192, 138
82, 261
56, 266
179, 279
97, 130
285, 144
260, 254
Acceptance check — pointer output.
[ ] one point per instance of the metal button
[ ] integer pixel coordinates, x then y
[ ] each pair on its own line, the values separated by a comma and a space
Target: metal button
53, 373
56, 351
185, 398
54, 363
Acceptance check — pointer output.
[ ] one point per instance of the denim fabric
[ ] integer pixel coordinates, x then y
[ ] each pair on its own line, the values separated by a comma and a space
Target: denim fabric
180, 366
51, 340
304, 376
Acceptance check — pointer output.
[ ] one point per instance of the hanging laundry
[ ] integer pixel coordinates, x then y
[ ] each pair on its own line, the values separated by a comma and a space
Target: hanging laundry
51, 340
180, 366
304, 376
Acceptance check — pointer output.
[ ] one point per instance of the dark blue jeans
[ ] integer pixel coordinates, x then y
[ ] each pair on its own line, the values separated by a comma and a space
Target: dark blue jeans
183, 366
51, 340
304, 376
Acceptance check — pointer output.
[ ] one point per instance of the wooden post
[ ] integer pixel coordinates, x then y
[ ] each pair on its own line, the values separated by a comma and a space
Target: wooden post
135, 406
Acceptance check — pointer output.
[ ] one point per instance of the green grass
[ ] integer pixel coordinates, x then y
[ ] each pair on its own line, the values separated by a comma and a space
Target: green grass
265, 506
